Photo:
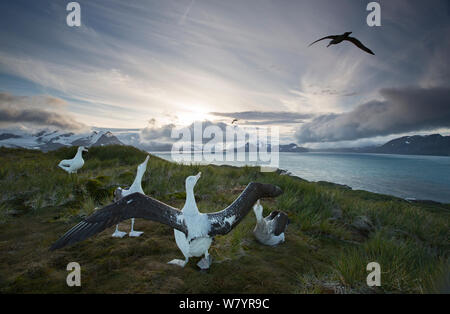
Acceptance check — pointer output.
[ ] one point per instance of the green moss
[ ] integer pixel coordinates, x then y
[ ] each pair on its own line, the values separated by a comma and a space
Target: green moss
96, 190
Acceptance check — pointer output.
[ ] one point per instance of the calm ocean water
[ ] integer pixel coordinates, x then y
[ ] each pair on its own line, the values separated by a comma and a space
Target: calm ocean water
420, 177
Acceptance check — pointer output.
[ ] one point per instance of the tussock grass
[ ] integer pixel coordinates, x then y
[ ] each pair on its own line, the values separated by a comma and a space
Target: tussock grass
326, 250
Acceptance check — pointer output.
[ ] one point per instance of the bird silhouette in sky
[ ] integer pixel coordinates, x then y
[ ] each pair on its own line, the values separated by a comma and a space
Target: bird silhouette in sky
234, 121
336, 39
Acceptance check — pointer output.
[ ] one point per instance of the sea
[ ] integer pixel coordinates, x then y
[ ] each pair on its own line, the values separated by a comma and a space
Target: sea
405, 176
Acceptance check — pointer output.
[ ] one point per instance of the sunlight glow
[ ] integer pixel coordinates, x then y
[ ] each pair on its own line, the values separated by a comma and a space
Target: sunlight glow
195, 113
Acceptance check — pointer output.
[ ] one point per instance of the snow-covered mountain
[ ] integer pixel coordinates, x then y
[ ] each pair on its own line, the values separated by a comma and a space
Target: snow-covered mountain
434, 145
53, 139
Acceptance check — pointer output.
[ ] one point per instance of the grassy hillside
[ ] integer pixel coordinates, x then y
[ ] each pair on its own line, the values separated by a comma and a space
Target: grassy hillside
334, 232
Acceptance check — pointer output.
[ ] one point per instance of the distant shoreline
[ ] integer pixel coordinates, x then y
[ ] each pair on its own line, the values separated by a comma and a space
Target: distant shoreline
411, 195
309, 152
347, 187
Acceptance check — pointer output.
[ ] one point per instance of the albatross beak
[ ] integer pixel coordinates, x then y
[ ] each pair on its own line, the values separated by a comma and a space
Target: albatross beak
198, 175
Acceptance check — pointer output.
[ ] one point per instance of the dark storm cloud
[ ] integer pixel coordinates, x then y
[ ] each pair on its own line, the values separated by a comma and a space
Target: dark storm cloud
402, 110
270, 122
437, 67
265, 117
37, 110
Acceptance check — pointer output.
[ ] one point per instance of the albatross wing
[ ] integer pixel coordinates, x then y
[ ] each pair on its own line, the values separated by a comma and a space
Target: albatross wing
327, 37
224, 221
135, 205
65, 163
280, 223
358, 44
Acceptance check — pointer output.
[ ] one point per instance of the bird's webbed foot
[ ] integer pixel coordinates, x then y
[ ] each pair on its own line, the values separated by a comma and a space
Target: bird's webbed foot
205, 262
135, 233
118, 234
179, 262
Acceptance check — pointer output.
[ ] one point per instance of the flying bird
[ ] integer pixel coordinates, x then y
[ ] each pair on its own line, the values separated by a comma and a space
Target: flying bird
336, 39
74, 164
198, 228
136, 187
234, 121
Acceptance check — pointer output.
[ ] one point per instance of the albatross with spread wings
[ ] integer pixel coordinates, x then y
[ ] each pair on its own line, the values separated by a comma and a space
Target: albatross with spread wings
141, 206
336, 39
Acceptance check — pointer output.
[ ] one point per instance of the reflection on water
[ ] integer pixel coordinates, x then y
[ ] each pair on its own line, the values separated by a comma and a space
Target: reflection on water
420, 177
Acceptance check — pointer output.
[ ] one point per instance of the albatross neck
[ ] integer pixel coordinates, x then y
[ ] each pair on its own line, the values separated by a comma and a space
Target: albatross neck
137, 181
258, 215
190, 206
79, 154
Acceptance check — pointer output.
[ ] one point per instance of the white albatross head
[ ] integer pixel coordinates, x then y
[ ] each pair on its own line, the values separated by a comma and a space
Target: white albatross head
191, 181
82, 149
118, 194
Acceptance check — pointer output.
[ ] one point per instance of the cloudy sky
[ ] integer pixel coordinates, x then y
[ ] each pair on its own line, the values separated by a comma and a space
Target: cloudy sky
153, 64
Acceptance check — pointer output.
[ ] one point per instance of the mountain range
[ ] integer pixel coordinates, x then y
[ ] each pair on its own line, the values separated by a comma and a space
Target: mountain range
433, 145
51, 140
46, 140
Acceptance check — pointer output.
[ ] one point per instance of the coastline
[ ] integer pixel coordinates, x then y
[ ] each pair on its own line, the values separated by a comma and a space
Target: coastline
395, 175
347, 187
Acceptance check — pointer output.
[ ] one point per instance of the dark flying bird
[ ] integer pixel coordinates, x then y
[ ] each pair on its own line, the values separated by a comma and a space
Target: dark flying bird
234, 120
336, 39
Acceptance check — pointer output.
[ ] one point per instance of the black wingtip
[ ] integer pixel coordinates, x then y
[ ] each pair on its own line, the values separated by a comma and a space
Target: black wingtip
58, 245
55, 246
274, 190
278, 191
268, 190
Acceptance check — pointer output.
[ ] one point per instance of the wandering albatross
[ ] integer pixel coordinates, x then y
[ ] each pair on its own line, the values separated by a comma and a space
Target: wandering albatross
336, 39
141, 206
72, 165
136, 187
270, 230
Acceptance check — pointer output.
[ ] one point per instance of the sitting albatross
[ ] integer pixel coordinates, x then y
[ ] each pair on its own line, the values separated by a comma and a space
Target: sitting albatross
198, 228
72, 165
136, 187
336, 39
270, 230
